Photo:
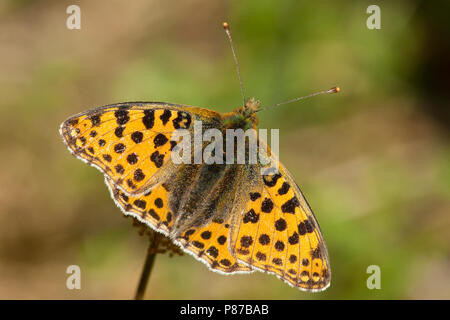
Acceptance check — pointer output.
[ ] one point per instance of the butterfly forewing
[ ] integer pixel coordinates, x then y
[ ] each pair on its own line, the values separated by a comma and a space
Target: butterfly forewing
278, 233
129, 142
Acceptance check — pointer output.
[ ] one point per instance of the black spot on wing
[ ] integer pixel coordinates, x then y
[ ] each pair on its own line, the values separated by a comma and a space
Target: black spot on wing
165, 116
206, 235
279, 245
271, 180
280, 224
261, 256
72, 122
213, 252
132, 158
264, 239
267, 205
159, 203
137, 136
154, 215
122, 116
246, 241
95, 119
284, 188
149, 119
160, 140
139, 175
119, 132
289, 206
306, 226
225, 262
157, 159
221, 240
251, 216
140, 203
119, 169
183, 120
254, 195
119, 148
198, 244
277, 261
293, 239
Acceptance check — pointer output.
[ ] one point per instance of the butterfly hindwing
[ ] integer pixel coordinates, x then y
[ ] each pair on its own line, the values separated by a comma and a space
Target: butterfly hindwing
150, 208
206, 199
208, 244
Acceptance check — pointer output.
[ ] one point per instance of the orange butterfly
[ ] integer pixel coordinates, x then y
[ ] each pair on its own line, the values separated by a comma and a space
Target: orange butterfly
229, 216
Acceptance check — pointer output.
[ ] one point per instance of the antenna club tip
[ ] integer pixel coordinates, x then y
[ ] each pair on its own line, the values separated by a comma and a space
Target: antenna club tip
225, 25
335, 90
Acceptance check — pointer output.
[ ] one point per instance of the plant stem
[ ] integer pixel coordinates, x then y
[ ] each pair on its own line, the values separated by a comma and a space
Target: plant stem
147, 269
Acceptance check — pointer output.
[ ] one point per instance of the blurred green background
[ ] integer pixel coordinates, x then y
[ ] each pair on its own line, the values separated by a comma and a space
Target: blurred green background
373, 160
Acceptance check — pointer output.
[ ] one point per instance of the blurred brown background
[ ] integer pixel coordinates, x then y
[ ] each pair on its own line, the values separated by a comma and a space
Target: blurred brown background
373, 161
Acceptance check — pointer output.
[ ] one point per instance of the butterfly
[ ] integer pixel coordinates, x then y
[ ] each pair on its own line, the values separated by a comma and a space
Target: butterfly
235, 218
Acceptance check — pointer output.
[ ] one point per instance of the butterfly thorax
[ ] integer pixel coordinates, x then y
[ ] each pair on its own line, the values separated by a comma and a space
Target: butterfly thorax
242, 117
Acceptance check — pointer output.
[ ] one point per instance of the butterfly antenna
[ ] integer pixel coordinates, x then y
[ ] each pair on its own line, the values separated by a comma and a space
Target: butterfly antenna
332, 90
226, 26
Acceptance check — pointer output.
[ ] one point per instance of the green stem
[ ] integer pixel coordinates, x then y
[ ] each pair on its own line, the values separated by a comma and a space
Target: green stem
147, 269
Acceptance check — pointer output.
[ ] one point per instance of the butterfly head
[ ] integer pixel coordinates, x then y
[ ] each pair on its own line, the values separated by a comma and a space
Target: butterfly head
243, 117
252, 105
